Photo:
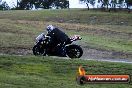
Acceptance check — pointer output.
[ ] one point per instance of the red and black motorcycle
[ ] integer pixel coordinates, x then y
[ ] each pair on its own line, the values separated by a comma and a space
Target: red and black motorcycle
71, 50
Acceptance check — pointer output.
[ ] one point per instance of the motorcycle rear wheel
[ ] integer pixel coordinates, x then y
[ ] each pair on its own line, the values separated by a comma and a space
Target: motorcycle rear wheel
74, 51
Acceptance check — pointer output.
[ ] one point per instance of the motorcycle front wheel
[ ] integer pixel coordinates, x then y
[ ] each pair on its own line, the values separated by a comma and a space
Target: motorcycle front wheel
74, 51
38, 51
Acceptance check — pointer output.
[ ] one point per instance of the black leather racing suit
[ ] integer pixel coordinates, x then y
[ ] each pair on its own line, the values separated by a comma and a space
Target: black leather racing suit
58, 37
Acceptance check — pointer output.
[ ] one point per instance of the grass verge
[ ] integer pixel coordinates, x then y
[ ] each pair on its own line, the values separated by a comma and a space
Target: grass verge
47, 72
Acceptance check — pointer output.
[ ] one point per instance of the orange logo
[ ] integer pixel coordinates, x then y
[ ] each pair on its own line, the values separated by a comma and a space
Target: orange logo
82, 78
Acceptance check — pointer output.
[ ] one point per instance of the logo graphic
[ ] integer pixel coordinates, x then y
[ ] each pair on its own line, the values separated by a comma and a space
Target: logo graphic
82, 78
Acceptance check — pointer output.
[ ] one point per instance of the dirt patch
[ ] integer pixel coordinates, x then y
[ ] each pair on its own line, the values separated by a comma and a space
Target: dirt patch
89, 53
16, 51
104, 54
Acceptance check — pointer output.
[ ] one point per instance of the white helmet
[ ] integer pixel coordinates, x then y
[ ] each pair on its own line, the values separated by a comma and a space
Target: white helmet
50, 28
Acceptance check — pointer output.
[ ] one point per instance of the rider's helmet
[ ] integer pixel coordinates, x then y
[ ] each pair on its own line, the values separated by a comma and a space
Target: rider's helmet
50, 28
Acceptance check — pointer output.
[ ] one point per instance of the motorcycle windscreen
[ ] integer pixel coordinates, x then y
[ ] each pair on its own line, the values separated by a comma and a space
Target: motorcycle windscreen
40, 37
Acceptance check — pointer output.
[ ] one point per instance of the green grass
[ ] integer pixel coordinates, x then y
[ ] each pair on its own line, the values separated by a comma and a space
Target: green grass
99, 30
113, 43
108, 43
75, 16
46, 72
108, 31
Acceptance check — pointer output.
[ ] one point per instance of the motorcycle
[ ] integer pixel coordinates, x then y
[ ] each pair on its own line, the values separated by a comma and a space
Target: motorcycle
71, 50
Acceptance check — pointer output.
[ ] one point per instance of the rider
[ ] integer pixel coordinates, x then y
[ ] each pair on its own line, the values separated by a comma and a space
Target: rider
57, 37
